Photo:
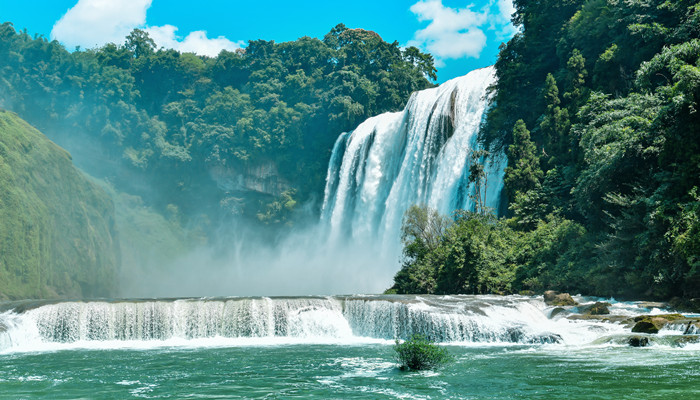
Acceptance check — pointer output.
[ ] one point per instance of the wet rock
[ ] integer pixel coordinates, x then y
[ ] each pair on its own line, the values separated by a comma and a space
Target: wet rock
546, 338
638, 341
644, 340
558, 311
552, 298
652, 304
598, 308
685, 339
688, 326
602, 318
514, 335
653, 323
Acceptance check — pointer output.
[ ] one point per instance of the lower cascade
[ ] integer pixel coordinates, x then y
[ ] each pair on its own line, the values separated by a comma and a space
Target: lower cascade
420, 155
338, 319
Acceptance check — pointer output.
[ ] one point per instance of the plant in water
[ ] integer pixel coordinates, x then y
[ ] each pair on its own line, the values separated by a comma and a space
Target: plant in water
419, 353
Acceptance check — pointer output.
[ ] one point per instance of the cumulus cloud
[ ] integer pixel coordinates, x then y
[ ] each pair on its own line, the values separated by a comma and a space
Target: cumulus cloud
459, 33
503, 26
195, 42
92, 23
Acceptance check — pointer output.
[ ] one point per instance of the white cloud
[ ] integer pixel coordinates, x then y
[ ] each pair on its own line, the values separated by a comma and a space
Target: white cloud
195, 42
459, 33
506, 9
92, 23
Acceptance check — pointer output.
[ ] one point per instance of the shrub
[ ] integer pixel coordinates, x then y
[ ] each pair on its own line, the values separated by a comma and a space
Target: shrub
419, 353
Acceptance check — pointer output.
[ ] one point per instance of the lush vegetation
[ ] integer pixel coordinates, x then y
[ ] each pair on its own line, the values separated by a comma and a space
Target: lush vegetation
246, 133
57, 233
596, 106
419, 353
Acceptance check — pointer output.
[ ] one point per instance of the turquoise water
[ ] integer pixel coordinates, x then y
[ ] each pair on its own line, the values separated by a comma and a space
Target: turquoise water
365, 371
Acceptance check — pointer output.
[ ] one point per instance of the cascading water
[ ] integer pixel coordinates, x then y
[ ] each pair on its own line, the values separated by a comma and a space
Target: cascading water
417, 156
480, 320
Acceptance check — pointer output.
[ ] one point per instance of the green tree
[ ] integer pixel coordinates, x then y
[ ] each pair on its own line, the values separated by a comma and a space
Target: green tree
523, 172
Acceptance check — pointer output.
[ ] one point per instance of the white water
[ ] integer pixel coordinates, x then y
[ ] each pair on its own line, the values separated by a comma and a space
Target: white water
417, 156
463, 320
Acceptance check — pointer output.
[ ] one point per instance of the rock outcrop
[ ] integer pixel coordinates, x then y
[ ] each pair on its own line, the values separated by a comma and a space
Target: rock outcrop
654, 323
598, 308
552, 298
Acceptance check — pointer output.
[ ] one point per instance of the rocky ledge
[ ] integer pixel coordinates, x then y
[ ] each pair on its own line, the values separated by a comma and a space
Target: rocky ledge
644, 328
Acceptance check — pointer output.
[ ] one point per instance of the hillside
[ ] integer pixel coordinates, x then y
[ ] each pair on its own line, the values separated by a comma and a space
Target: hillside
57, 234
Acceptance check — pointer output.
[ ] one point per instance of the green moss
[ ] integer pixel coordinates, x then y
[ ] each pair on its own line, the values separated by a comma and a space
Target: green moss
57, 235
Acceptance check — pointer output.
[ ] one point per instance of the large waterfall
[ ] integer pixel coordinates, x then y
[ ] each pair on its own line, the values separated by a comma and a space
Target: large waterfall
417, 156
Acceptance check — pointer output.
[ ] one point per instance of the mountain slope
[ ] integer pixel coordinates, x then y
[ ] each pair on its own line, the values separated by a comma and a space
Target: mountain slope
57, 235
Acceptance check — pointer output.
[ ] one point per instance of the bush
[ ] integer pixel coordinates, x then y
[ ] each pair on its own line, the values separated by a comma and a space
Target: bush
419, 353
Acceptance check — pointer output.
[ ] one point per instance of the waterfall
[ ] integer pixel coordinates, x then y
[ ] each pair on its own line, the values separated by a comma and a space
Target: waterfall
503, 320
417, 156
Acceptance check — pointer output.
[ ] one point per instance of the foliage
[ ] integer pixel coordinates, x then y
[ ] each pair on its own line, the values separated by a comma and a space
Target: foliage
174, 128
57, 229
608, 173
419, 353
472, 255
523, 172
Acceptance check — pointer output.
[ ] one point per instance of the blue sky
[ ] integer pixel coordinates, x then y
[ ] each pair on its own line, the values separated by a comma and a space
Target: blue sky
462, 35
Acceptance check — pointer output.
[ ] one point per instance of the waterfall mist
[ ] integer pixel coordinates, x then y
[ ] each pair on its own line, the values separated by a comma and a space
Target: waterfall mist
420, 155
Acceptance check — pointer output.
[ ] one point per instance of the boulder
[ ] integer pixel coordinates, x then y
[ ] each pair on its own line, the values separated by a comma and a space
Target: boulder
552, 298
638, 341
598, 308
545, 338
558, 311
653, 323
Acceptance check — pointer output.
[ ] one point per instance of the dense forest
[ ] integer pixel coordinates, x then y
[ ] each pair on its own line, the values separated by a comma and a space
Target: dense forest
245, 134
596, 107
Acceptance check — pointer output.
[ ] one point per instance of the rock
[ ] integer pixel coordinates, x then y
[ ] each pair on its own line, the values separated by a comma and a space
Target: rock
558, 311
653, 323
688, 326
644, 340
527, 293
651, 304
599, 308
602, 318
514, 335
545, 338
638, 341
552, 298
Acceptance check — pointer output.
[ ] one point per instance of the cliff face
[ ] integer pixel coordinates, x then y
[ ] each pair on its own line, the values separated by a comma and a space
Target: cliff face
262, 179
57, 233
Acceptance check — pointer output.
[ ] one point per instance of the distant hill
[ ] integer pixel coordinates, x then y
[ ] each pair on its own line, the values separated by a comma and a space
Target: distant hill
57, 234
